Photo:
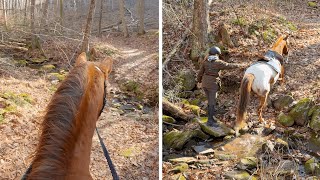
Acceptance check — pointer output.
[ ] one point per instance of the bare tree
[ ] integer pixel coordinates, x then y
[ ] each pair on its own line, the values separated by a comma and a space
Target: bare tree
123, 19
100, 18
87, 32
200, 28
141, 16
61, 13
25, 11
45, 14
4, 14
33, 37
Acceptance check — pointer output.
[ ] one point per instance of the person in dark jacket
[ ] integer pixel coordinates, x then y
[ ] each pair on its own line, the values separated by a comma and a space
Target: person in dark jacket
209, 77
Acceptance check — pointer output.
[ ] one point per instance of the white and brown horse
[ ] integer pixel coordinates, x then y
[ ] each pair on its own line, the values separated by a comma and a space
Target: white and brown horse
259, 78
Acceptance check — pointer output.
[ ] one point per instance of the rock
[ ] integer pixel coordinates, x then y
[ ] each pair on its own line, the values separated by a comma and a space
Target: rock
281, 144
21, 62
168, 119
178, 177
315, 117
248, 163
187, 160
282, 102
177, 139
194, 109
312, 4
285, 120
203, 149
56, 76
238, 175
220, 131
181, 167
127, 107
312, 166
286, 167
47, 67
314, 142
224, 157
187, 80
300, 111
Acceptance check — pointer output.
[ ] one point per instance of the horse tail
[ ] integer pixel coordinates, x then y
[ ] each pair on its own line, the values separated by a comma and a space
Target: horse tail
245, 90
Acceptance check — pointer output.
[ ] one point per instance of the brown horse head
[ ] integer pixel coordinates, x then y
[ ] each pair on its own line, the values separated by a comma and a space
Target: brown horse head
281, 45
64, 145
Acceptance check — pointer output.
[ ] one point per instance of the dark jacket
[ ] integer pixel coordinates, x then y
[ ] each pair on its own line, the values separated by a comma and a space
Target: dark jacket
210, 71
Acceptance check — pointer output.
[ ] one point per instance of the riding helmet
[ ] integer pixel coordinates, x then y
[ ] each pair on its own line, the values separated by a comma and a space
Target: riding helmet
214, 50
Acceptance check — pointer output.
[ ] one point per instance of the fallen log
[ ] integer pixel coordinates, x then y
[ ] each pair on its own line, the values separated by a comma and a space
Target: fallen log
13, 47
175, 111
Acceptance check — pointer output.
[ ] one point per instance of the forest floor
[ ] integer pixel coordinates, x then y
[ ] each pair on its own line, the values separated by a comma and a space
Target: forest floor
253, 27
128, 125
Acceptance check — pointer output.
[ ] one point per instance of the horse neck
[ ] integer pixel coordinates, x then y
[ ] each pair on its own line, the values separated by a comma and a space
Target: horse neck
278, 47
87, 117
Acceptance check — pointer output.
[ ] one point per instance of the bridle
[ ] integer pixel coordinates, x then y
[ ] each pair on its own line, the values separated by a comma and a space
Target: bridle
105, 151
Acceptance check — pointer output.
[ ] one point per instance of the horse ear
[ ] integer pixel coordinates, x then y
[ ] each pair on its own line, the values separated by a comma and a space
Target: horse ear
82, 58
106, 66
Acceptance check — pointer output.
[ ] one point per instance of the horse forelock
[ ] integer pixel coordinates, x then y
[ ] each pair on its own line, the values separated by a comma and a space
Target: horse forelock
57, 139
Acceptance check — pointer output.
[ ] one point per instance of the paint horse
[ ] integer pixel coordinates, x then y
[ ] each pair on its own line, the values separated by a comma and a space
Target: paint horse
69, 123
259, 78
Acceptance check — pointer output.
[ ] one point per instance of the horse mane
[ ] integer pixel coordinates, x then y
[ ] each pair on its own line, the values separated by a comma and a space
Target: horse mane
57, 139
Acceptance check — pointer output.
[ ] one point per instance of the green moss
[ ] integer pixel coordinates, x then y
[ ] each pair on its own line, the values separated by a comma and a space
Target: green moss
128, 152
312, 4
58, 76
240, 21
269, 35
47, 67
195, 109
195, 102
18, 99
314, 112
300, 111
21, 62
312, 166
38, 60
168, 119
285, 120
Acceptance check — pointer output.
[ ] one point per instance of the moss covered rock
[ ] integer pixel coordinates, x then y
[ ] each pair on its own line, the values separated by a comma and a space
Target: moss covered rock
187, 80
238, 175
168, 119
312, 4
315, 117
181, 167
47, 67
312, 166
248, 163
300, 111
220, 131
282, 102
285, 120
177, 139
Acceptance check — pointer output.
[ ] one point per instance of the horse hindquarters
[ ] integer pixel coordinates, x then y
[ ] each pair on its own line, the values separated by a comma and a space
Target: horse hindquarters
245, 89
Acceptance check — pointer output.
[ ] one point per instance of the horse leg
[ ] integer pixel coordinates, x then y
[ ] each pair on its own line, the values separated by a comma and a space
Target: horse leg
263, 100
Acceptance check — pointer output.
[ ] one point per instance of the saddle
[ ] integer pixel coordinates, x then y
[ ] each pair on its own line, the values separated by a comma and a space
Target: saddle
268, 57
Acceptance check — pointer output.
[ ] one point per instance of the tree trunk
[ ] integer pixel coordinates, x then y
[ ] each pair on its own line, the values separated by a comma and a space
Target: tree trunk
33, 37
4, 14
25, 11
100, 18
87, 32
200, 29
45, 14
61, 13
123, 19
141, 16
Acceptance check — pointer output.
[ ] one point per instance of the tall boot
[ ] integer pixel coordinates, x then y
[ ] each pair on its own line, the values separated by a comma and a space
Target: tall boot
211, 121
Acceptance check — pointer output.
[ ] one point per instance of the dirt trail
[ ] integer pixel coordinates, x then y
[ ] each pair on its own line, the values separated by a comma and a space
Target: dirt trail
130, 134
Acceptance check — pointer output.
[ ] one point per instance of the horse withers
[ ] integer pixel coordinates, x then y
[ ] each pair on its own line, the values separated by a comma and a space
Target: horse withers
65, 143
259, 78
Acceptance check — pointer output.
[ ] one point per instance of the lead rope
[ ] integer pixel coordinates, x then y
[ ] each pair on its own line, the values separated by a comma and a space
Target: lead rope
105, 151
106, 154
